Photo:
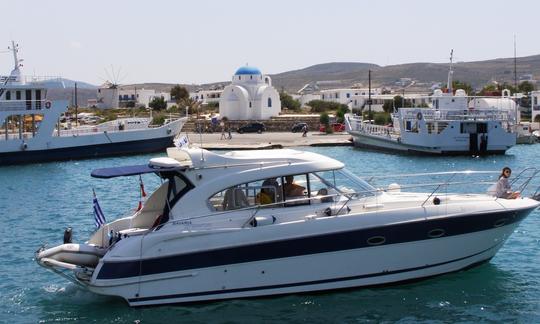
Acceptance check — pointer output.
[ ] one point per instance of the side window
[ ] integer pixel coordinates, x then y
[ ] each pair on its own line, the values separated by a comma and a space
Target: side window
261, 192
321, 186
295, 188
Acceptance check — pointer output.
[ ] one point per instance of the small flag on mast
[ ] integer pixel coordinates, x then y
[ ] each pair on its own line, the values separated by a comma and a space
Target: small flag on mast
181, 141
99, 218
143, 194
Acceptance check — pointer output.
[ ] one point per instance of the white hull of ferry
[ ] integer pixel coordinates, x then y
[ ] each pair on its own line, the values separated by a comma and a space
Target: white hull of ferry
46, 145
392, 144
324, 271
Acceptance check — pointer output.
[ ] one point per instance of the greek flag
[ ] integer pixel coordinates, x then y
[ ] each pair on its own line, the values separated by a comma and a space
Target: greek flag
181, 141
99, 218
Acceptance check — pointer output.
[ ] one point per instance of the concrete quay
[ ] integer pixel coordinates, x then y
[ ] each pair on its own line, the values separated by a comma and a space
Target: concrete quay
267, 140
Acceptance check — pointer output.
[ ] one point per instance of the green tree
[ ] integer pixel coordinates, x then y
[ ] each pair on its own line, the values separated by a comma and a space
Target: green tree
324, 118
340, 113
179, 93
323, 106
525, 87
489, 89
456, 84
158, 103
288, 102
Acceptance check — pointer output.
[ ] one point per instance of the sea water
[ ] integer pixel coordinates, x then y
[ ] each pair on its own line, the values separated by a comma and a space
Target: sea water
38, 201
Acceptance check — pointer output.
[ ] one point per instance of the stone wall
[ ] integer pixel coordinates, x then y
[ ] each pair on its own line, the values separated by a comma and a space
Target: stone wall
281, 124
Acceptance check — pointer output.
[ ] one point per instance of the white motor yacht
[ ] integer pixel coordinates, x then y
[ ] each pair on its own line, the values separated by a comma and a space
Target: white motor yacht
269, 222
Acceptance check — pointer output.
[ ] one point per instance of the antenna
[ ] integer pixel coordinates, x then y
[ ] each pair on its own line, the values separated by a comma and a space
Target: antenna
450, 72
515, 65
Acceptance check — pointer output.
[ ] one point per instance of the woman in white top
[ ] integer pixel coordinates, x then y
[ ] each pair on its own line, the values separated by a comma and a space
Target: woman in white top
503, 188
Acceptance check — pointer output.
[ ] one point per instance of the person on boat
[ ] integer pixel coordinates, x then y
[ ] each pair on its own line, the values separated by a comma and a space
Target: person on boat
503, 188
304, 131
291, 189
234, 198
269, 192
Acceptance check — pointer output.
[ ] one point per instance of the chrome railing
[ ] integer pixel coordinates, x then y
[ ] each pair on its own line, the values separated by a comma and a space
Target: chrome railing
341, 200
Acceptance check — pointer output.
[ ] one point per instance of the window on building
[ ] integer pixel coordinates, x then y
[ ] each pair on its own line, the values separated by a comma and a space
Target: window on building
269, 102
348, 95
322, 97
251, 77
239, 77
8, 95
119, 97
250, 104
132, 97
337, 95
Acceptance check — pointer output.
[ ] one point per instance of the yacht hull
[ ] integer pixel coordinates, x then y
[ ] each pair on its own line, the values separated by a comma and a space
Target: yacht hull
344, 262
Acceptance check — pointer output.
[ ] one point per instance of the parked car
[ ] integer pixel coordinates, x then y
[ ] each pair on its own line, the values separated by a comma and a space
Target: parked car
336, 127
252, 128
298, 127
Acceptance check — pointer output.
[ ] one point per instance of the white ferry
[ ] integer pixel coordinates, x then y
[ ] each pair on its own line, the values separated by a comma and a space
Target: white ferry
30, 128
453, 124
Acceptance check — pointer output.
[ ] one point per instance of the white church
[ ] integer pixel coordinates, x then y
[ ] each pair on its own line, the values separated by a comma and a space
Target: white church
249, 96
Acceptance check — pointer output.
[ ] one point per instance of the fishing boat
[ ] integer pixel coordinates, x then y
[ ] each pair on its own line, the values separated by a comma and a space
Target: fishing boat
269, 222
31, 130
452, 124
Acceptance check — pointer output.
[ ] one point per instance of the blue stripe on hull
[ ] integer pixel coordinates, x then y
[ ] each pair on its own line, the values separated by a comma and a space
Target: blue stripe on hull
315, 282
331, 242
87, 151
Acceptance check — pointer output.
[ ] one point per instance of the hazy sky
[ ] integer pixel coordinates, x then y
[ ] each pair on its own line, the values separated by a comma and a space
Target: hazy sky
206, 41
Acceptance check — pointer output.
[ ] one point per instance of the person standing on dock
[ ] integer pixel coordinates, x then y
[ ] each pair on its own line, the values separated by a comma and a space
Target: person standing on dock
222, 124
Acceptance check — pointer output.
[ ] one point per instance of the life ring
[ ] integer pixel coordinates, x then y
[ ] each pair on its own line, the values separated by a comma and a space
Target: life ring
419, 116
48, 104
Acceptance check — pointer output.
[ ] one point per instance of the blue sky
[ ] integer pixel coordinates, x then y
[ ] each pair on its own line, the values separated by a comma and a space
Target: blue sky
206, 41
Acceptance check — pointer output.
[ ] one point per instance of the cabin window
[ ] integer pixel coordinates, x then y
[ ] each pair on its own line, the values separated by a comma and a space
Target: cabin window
28, 97
38, 99
295, 190
255, 193
18, 95
8, 95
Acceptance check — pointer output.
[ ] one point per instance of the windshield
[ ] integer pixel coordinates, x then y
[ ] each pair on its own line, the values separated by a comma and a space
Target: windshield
346, 182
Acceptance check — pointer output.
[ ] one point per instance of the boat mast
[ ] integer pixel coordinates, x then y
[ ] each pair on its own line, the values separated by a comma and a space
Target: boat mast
450, 73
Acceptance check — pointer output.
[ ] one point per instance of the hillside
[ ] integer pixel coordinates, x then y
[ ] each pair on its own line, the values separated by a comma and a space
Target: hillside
346, 74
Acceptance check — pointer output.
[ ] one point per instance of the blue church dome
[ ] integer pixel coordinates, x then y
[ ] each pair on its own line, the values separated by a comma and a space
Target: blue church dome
247, 70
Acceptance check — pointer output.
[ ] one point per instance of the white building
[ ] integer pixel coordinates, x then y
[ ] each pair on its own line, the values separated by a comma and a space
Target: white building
112, 96
249, 96
206, 96
357, 98
535, 105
